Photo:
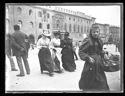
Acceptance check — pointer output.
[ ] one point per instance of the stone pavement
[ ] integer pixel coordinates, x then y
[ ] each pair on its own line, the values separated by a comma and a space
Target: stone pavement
67, 81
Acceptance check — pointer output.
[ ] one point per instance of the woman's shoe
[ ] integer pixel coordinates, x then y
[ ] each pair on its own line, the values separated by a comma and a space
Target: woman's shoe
14, 70
51, 74
41, 72
20, 75
61, 71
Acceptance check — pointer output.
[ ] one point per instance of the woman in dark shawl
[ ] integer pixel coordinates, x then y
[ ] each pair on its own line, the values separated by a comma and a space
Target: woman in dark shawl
68, 61
93, 77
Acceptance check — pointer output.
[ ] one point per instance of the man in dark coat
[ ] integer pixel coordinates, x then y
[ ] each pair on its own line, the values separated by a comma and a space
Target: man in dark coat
8, 51
20, 49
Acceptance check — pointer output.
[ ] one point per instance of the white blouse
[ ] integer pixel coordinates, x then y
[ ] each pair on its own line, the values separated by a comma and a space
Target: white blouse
55, 42
43, 43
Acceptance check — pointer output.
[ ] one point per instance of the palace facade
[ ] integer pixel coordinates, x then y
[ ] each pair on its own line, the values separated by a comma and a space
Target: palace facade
36, 19
115, 33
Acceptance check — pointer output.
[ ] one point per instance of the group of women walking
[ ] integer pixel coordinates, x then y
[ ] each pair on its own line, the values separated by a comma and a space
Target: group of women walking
56, 54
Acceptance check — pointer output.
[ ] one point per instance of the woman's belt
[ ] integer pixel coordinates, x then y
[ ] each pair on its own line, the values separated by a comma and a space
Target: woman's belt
93, 54
57, 46
44, 47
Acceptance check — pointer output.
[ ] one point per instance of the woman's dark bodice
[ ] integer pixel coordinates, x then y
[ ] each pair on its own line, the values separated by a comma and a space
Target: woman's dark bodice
94, 49
66, 43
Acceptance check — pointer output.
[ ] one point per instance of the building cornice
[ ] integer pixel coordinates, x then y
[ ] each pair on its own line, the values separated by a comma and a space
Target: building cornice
54, 10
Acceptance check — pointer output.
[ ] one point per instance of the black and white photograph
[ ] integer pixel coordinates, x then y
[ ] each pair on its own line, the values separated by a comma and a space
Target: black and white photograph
64, 47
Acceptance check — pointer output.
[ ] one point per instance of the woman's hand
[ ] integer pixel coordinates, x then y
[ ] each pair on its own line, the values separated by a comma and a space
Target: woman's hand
39, 47
91, 60
106, 57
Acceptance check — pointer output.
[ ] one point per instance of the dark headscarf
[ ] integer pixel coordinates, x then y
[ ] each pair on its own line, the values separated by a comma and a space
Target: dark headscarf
66, 34
56, 33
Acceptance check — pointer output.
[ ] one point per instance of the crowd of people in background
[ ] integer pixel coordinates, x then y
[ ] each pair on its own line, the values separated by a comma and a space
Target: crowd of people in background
55, 54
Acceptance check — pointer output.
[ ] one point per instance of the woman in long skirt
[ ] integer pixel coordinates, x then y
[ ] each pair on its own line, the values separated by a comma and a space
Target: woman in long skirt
45, 54
93, 76
68, 61
56, 52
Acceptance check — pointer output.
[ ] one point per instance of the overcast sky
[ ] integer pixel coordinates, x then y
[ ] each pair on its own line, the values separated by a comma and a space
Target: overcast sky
103, 14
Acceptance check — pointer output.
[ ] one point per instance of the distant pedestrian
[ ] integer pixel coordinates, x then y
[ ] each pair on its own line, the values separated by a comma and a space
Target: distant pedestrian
93, 77
27, 44
8, 51
118, 46
44, 54
74, 51
31, 40
68, 61
20, 49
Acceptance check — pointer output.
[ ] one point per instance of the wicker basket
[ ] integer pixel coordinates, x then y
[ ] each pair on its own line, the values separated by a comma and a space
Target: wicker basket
112, 65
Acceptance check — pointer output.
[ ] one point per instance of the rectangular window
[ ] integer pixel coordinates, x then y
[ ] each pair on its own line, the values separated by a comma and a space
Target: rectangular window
78, 28
74, 27
48, 26
48, 15
40, 25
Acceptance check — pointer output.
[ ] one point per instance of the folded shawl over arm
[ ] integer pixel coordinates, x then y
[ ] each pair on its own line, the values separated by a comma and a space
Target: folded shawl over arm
84, 48
87, 47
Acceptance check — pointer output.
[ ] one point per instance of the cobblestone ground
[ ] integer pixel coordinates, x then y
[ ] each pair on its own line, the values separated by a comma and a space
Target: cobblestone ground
67, 81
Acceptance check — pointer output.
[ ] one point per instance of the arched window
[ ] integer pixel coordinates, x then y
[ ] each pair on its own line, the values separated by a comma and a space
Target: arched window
69, 27
48, 26
30, 12
20, 23
31, 24
19, 10
40, 25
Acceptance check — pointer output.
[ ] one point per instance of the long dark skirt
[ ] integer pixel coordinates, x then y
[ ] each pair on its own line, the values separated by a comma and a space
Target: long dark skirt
45, 60
68, 62
93, 77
